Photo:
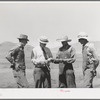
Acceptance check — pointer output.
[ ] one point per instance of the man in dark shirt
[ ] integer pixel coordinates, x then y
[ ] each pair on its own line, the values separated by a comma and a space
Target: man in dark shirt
65, 57
17, 59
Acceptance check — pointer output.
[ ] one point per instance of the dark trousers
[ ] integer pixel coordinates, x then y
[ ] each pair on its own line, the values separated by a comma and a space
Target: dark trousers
67, 79
42, 78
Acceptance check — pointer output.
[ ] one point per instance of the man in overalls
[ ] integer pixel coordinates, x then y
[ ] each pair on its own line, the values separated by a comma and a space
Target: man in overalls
90, 60
40, 57
65, 57
17, 59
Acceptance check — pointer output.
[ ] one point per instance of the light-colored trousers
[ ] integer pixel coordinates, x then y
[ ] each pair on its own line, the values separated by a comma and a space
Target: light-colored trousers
88, 77
42, 78
20, 78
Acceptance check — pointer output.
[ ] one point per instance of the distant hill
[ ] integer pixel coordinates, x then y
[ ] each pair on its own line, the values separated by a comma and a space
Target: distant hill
6, 46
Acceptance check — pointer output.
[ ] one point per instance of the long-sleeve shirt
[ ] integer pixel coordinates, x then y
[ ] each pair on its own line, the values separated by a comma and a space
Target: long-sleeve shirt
16, 55
89, 55
37, 55
65, 55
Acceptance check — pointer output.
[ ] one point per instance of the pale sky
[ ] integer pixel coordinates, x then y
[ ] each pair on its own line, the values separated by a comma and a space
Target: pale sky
52, 19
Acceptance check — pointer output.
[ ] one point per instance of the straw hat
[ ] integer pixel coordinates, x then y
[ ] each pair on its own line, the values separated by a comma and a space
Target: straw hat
83, 35
43, 39
65, 38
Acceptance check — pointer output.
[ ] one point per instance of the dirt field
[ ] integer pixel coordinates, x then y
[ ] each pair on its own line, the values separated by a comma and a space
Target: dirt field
7, 80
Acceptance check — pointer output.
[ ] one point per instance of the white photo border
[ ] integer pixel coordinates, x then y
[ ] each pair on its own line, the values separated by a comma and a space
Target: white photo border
58, 93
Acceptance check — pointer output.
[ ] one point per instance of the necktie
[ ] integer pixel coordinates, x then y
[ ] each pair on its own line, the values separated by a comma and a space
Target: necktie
45, 56
44, 53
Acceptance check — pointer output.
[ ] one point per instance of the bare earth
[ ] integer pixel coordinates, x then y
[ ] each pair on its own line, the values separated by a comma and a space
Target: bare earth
7, 80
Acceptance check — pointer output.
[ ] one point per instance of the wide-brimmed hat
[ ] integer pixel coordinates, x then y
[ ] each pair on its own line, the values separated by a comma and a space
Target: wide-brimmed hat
83, 35
23, 37
43, 39
65, 38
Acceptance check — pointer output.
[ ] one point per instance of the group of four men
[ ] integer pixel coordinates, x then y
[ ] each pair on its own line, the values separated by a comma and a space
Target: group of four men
41, 57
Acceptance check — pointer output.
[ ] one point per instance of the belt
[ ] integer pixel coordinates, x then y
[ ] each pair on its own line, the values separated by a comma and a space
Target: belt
40, 66
90, 66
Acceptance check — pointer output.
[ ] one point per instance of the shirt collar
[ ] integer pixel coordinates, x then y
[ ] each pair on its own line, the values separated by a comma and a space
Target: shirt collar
19, 44
86, 45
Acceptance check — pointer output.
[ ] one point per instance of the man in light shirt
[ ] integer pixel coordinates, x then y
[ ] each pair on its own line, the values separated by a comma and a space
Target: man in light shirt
41, 57
90, 60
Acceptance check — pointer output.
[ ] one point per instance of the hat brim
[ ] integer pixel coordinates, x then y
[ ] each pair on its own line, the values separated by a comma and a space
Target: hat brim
42, 42
23, 39
86, 38
62, 40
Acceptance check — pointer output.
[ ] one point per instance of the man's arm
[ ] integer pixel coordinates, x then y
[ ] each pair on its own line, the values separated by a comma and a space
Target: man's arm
10, 56
34, 58
95, 57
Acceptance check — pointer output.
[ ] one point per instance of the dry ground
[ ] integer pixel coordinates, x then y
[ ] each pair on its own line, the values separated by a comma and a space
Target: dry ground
7, 80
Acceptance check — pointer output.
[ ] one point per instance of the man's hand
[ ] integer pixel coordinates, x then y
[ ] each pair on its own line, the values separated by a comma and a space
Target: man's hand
58, 60
12, 66
66, 60
17, 67
50, 60
94, 72
42, 63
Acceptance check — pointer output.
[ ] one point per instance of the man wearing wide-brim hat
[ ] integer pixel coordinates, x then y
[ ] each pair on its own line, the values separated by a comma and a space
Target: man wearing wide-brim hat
90, 60
65, 57
17, 59
41, 57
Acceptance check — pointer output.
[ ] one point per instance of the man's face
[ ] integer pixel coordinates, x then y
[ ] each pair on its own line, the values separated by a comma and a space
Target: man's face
64, 43
42, 45
82, 41
23, 42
